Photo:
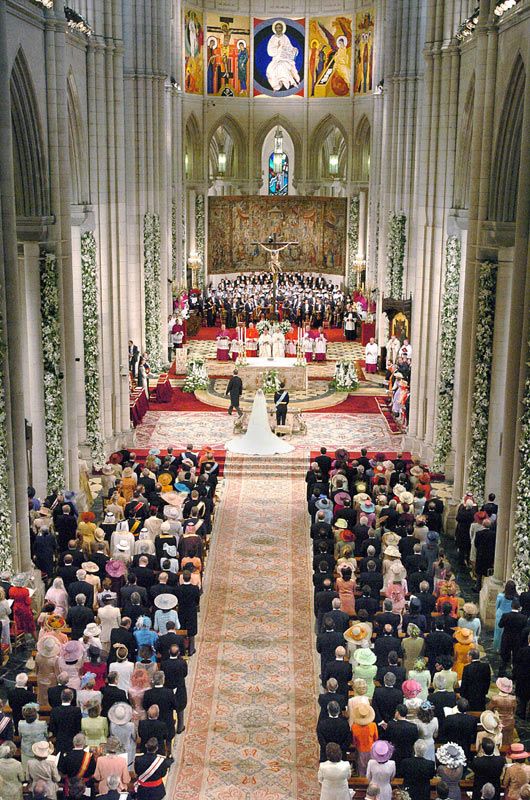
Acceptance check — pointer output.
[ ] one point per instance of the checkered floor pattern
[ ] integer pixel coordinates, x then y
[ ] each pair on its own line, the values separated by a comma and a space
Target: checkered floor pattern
316, 390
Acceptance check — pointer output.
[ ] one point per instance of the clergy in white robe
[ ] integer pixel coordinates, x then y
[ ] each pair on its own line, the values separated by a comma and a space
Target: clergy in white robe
392, 350
278, 345
320, 347
308, 345
371, 352
265, 345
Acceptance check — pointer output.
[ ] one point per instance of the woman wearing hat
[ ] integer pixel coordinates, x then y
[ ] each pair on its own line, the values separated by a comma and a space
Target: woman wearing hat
122, 727
412, 645
46, 666
345, 586
364, 733
451, 764
364, 667
22, 613
396, 589
360, 688
491, 729
140, 682
165, 605
503, 605
108, 479
517, 772
71, 660
476, 525
43, 768
358, 635
11, 772
392, 569
412, 697
504, 704
85, 530
128, 483
421, 675
464, 642
92, 577
31, 730
95, 666
145, 637
470, 620
381, 770
58, 595
427, 725
333, 774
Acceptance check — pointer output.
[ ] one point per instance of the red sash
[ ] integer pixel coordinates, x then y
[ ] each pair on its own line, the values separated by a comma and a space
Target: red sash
143, 779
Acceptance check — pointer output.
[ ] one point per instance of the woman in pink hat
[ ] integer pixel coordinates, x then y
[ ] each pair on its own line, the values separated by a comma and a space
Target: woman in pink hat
412, 697
517, 772
381, 770
505, 704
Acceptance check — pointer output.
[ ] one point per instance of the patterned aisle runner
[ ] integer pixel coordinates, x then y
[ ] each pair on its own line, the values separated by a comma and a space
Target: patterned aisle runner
251, 719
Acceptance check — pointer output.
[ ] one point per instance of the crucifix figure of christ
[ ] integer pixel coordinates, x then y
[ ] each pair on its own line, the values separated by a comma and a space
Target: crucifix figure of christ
274, 248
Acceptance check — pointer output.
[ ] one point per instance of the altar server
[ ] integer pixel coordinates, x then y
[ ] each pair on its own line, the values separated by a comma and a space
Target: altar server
371, 353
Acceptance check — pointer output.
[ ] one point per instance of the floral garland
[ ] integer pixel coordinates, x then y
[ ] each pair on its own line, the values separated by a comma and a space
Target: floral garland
448, 325
353, 242
51, 350
5, 500
271, 381
200, 237
396, 254
266, 325
521, 535
91, 348
153, 327
487, 284
174, 240
196, 376
345, 377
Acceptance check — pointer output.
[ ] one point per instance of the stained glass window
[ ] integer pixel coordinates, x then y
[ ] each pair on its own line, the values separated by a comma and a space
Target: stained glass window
279, 182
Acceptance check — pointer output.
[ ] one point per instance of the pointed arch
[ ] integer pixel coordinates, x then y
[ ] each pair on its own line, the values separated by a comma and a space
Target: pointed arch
192, 149
229, 131
504, 184
463, 154
361, 150
329, 136
31, 186
271, 124
77, 145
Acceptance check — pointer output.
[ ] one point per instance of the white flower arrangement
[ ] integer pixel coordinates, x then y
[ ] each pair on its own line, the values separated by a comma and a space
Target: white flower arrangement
271, 381
174, 240
153, 323
51, 355
521, 534
196, 376
345, 377
448, 325
200, 237
487, 284
353, 243
5, 499
91, 348
268, 325
396, 254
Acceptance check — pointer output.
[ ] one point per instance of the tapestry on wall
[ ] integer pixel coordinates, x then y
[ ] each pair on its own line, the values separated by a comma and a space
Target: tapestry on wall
364, 52
317, 224
227, 55
330, 47
193, 51
279, 45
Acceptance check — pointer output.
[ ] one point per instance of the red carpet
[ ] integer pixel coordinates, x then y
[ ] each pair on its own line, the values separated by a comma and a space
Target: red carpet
208, 334
354, 404
182, 401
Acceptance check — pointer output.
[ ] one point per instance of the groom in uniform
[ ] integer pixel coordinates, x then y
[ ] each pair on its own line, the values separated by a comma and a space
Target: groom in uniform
281, 401
235, 390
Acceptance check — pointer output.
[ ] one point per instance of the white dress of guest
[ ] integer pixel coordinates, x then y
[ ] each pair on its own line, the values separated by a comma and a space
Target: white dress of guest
126, 735
333, 778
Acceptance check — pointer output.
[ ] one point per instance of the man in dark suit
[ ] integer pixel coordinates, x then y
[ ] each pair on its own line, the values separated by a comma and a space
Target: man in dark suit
163, 697
19, 696
65, 527
334, 728
324, 602
339, 669
281, 401
79, 616
475, 684
367, 602
485, 547
145, 577
67, 571
441, 699
144, 763
524, 599
55, 692
175, 670
81, 586
189, 596
341, 620
111, 694
122, 635
153, 728
235, 390
65, 722
324, 462
327, 643
169, 638
460, 728
372, 579
512, 623
130, 587
402, 734
387, 617
386, 699
521, 671
330, 694
392, 666
487, 769
417, 772
438, 643
426, 598
385, 643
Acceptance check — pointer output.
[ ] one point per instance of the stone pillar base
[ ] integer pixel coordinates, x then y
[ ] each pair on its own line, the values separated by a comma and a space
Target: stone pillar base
488, 595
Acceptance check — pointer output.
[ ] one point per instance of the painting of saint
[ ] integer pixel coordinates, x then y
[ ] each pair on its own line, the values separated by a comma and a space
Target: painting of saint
193, 49
364, 51
330, 51
279, 57
227, 55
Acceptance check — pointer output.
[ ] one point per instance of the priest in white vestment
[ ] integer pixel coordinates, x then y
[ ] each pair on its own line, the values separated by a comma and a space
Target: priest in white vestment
265, 345
392, 350
371, 353
278, 345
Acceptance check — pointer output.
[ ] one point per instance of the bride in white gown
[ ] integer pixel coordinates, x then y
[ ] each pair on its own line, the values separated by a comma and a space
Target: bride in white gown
259, 440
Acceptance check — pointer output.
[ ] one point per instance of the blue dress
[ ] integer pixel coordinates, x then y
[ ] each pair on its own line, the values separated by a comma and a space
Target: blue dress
502, 606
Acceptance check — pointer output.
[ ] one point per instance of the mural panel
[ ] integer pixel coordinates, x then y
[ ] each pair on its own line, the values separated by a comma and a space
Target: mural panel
318, 224
364, 51
279, 45
330, 49
193, 51
227, 55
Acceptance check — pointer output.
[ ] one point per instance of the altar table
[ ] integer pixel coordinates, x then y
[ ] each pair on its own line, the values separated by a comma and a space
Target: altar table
252, 373
138, 405
163, 389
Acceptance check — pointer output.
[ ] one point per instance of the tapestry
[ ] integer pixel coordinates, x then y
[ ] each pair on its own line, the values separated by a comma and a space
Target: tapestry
316, 224
227, 55
330, 48
193, 51
364, 51
279, 45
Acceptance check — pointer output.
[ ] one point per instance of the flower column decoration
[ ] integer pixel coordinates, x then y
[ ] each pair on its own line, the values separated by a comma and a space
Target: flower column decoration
396, 254
51, 353
200, 238
487, 284
521, 538
448, 325
174, 240
353, 242
91, 347
5, 500
153, 326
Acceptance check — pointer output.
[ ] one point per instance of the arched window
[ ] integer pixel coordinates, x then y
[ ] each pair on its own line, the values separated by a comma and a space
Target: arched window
279, 181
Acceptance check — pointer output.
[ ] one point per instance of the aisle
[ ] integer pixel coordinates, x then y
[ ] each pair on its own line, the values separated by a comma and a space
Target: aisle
251, 719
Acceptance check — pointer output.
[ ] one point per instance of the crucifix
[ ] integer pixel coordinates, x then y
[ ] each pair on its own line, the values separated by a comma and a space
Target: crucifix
274, 248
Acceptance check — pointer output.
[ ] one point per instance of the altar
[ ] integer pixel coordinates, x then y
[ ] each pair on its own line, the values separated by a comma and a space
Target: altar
294, 375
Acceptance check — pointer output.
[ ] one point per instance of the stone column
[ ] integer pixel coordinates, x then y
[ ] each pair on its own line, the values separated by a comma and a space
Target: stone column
363, 205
